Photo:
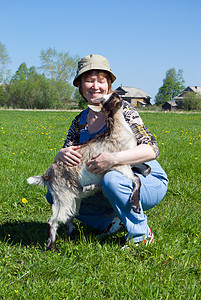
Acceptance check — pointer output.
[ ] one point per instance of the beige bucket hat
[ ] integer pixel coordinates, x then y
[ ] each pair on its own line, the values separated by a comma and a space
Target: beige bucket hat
93, 62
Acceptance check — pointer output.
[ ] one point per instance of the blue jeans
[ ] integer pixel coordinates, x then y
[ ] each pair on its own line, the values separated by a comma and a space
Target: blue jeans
99, 210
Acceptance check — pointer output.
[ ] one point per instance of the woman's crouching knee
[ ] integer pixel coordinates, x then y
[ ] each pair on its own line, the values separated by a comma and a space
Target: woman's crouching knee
114, 181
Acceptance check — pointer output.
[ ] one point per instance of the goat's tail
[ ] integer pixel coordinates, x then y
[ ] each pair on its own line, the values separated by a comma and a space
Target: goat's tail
36, 180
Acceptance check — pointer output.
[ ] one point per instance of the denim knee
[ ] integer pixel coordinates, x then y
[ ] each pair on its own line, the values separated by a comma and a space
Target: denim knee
114, 183
107, 182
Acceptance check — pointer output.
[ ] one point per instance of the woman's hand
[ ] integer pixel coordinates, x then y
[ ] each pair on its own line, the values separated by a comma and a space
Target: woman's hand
69, 156
101, 162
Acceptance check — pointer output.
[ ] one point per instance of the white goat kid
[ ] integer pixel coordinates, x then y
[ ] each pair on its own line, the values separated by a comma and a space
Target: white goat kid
68, 185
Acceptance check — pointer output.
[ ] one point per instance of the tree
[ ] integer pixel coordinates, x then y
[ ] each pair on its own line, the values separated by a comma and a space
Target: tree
21, 73
3, 95
173, 84
192, 101
80, 100
4, 61
65, 93
28, 89
58, 65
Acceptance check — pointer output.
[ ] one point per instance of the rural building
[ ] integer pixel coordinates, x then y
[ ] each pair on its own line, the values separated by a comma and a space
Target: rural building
170, 105
192, 89
133, 95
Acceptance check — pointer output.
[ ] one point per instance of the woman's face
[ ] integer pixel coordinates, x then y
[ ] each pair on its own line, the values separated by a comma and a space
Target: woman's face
94, 86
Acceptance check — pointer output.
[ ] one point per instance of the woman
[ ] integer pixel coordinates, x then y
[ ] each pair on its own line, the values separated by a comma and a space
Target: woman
112, 211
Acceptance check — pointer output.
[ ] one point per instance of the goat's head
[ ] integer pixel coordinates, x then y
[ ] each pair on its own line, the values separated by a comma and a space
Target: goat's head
109, 104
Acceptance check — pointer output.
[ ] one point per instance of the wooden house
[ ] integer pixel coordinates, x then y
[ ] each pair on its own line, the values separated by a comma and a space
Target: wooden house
170, 105
135, 96
192, 89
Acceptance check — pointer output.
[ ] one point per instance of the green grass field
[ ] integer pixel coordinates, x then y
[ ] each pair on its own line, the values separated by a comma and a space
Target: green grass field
86, 267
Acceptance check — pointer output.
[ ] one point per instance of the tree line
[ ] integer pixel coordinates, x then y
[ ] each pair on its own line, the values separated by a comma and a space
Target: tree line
50, 85
47, 87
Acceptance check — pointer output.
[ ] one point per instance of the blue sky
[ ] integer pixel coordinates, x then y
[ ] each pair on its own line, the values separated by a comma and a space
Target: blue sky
141, 39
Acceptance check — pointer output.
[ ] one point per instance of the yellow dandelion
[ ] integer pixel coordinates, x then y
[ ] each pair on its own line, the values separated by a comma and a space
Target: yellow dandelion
24, 200
170, 257
16, 291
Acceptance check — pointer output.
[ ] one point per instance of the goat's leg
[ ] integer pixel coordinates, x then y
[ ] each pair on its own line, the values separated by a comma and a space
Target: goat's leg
69, 226
135, 196
51, 242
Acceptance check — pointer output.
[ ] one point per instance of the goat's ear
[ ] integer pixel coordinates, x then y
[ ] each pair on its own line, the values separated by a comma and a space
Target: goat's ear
119, 104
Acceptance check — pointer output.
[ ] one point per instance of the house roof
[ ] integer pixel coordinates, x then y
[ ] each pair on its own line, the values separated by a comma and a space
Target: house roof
196, 89
133, 92
172, 103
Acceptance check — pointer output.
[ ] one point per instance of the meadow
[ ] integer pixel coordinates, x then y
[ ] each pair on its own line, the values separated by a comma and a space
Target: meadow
87, 267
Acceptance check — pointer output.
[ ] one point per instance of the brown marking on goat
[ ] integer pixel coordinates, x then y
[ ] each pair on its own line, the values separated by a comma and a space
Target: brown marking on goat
135, 197
46, 176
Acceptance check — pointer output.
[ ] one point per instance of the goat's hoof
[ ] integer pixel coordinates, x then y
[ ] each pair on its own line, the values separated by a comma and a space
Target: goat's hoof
56, 249
52, 246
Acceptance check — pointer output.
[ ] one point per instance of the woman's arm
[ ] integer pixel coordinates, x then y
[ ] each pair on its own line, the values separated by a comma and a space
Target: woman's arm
105, 160
140, 154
